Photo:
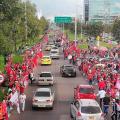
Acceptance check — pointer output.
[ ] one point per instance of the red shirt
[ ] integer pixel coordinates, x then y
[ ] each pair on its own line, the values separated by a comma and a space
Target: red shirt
101, 84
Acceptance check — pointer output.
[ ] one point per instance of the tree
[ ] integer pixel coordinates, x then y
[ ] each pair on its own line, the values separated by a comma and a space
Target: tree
116, 29
12, 23
94, 29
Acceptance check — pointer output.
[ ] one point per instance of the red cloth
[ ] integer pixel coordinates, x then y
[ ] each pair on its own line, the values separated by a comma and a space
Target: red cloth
45, 38
101, 85
22, 89
90, 76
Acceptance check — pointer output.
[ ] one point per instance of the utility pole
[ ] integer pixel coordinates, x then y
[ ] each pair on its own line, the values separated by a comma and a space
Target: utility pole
81, 26
76, 27
63, 28
75, 31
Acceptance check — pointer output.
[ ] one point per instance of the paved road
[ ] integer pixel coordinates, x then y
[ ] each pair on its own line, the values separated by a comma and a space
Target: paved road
63, 95
63, 88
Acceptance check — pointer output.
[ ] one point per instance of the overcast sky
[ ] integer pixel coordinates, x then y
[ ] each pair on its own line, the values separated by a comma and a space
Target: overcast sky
51, 8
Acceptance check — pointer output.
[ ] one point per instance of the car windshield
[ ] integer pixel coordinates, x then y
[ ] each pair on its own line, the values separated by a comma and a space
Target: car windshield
46, 57
54, 48
54, 52
86, 90
45, 75
42, 94
90, 109
69, 67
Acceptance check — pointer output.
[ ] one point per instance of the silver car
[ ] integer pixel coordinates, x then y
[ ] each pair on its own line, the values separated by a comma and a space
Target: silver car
45, 78
54, 54
86, 109
43, 98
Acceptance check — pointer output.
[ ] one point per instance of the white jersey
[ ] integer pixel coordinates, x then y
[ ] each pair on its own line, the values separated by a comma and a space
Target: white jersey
22, 98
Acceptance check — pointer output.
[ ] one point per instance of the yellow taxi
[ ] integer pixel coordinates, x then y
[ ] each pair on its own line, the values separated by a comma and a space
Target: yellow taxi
46, 60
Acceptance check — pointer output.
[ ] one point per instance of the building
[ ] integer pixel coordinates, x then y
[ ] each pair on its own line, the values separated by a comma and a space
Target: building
101, 10
86, 3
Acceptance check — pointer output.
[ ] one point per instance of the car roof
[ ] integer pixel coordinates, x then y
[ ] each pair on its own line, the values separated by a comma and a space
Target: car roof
85, 86
55, 50
67, 65
45, 72
43, 89
46, 56
88, 102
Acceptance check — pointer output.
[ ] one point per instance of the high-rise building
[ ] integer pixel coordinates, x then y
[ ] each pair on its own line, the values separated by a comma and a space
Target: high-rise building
101, 10
86, 12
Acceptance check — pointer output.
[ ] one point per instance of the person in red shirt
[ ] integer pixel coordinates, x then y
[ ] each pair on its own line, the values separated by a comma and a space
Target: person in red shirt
90, 77
22, 88
101, 84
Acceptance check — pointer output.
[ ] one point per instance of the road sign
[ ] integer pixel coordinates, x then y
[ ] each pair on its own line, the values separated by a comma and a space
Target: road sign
63, 19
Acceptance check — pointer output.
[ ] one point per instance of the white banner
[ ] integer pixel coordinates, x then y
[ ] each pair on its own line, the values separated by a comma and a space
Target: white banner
1, 78
14, 98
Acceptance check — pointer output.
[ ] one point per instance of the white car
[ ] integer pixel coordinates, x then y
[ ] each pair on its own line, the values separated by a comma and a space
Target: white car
54, 54
86, 109
45, 78
54, 48
43, 98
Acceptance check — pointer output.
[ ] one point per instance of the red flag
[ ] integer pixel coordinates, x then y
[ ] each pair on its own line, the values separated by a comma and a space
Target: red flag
45, 38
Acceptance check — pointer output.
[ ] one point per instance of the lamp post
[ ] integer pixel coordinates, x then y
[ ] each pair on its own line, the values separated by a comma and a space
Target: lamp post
76, 27
81, 27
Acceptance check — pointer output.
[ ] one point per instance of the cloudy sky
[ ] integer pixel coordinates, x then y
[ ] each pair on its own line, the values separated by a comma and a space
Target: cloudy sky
51, 8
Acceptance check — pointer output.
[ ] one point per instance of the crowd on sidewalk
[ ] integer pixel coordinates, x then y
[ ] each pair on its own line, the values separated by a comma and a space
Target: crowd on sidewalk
17, 77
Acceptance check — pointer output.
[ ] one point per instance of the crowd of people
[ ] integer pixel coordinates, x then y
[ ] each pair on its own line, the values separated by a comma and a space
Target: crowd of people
101, 68
17, 77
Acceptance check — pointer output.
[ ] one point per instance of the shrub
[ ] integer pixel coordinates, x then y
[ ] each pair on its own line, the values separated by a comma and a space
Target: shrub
17, 59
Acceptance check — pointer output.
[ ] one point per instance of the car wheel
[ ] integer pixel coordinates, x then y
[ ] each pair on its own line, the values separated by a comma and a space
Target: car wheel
63, 75
51, 108
74, 118
71, 114
33, 108
75, 75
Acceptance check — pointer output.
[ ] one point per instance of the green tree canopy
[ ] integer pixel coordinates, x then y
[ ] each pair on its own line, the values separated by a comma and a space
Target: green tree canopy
116, 29
13, 24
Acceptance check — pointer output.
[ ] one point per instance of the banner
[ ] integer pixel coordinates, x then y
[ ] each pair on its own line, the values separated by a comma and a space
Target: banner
14, 98
1, 78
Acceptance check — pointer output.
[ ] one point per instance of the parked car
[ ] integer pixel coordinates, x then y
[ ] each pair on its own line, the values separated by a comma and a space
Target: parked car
46, 60
84, 92
68, 71
54, 54
86, 109
43, 98
45, 78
